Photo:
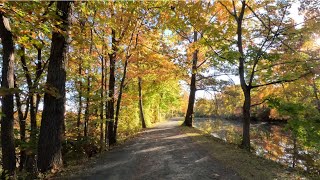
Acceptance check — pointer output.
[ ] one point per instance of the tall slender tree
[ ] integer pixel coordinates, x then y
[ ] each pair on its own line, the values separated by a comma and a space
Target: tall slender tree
110, 110
273, 27
193, 88
141, 114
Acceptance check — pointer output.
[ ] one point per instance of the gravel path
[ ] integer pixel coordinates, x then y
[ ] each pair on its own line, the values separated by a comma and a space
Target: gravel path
162, 152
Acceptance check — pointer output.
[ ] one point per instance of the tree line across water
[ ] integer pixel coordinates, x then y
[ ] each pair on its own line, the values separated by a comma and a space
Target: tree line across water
80, 76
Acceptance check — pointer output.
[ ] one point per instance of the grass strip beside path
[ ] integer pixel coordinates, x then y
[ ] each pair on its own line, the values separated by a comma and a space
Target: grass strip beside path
247, 165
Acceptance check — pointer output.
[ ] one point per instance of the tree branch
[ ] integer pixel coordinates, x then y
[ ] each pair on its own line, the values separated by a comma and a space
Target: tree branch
232, 14
257, 104
282, 81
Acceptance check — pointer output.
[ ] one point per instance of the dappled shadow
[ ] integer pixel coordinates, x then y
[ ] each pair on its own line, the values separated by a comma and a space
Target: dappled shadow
156, 129
159, 153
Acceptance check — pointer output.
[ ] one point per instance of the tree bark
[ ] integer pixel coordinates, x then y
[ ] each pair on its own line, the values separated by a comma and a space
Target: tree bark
295, 151
143, 122
102, 103
35, 97
82, 24
39, 69
216, 104
80, 100
315, 92
106, 104
51, 134
7, 120
245, 88
86, 112
246, 119
110, 111
32, 102
22, 124
192, 96
120, 95
32, 98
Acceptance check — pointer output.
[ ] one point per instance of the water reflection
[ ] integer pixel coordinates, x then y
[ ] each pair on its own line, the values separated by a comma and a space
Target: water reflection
273, 142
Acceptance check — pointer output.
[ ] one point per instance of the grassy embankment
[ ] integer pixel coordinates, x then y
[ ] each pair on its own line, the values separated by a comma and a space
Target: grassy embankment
246, 164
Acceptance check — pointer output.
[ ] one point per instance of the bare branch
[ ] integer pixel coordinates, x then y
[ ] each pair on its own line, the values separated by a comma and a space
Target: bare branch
282, 81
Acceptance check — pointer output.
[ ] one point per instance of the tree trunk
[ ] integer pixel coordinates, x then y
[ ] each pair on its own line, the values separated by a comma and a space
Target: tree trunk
49, 146
7, 120
31, 164
102, 103
35, 97
216, 104
245, 88
80, 100
295, 151
33, 117
246, 119
192, 96
110, 112
22, 124
38, 75
82, 24
120, 95
143, 122
86, 112
106, 105
315, 92
32, 98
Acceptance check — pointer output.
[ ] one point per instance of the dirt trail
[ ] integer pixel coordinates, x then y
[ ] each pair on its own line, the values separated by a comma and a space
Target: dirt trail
162, 152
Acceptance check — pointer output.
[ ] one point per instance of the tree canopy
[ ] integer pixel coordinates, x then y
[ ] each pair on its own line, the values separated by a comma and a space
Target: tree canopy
78, 77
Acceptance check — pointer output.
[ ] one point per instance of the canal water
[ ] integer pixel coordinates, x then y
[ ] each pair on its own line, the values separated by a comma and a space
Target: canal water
271, 141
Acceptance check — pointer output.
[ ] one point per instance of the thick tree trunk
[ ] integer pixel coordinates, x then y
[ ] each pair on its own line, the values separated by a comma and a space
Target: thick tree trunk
143, 122
49, 146
7, 120
120, 96
246, 119
110, 112
192, 96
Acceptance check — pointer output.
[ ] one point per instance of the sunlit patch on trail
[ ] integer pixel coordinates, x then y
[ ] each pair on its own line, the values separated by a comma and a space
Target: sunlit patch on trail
150, 149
